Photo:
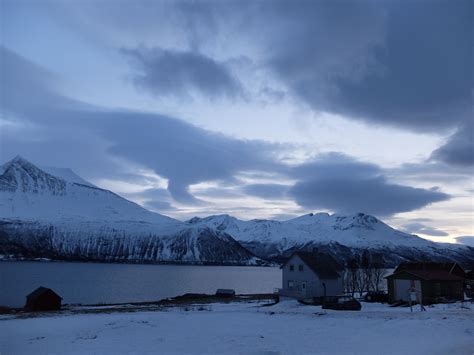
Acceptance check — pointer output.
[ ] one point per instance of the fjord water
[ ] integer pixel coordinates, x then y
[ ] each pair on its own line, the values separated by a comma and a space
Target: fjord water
92, 283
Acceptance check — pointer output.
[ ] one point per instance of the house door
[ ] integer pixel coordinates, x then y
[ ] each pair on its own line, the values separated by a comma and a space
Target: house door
402, 289
303, 287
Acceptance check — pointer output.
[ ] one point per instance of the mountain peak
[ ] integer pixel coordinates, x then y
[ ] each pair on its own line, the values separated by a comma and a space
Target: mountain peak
20, 175
29, 191
18, 160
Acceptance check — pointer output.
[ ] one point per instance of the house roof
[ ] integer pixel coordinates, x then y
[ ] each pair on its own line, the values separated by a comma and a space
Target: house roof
40, 291
429, 275
322, 264
432, 270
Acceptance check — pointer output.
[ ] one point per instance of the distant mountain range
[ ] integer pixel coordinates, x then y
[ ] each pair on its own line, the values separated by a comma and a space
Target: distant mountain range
53, 213
342, 236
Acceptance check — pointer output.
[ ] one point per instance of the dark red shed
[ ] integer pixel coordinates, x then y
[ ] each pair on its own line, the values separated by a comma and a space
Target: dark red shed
434, 282
43, 299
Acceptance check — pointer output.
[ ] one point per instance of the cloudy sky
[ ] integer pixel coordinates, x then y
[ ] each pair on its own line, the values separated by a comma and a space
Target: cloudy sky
259, 109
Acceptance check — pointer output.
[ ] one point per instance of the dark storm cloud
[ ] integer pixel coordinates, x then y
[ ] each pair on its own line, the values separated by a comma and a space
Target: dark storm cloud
423, 229
339, 183
406, 65
385, 62
183, 153
63, 132
459, 149
176, 73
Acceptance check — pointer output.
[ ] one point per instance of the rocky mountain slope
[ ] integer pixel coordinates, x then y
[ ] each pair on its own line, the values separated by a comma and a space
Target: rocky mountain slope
43, 215
56, 214
343, 236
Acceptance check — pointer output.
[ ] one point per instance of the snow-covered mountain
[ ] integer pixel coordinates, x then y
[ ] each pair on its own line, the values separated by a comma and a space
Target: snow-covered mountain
54, 213
343, 236
65, 217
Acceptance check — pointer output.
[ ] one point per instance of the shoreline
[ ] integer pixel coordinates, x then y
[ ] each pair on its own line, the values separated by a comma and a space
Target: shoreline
131, 262
187, 299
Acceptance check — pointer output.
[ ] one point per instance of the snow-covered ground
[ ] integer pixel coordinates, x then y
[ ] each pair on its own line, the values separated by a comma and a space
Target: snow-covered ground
246, 328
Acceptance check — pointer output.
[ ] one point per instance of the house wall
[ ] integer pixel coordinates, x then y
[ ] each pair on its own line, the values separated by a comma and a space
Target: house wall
314, 285
334, 287
434, 290
394, 291
44, 303
402, 287
298, 277
431, 291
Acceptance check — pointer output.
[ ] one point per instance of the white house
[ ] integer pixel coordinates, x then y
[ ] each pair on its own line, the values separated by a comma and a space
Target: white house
307, 275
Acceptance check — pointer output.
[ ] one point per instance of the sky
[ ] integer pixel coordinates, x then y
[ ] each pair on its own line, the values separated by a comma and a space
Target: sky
258, 109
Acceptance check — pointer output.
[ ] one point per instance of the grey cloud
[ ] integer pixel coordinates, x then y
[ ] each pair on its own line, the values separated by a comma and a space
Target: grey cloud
181, 73
37, 126
416, 227
376, 61
459, 149
220, 192
334, 165
183, 153
468, 240
431, 171
342, 184
267, 191
26, 88
383, 62
174, 149
155, 199
63, 132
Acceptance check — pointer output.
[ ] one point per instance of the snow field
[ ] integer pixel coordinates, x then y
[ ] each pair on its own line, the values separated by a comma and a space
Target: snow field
246, 328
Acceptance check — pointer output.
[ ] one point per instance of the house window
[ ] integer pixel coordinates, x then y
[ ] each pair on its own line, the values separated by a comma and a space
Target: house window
292, 267
300, 267
291, 284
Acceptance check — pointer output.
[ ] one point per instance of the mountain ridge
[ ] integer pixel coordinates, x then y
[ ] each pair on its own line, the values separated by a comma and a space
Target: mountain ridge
46, 216
345, 236
82, 221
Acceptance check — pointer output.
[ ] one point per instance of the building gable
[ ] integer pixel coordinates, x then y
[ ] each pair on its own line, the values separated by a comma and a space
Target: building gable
322, 265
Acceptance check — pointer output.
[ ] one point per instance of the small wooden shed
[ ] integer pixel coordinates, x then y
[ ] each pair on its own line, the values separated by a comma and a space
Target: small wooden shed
225, 292
434, 282
43, 299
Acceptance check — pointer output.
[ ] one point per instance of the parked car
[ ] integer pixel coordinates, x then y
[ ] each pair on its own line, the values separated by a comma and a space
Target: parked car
342, 303
376, 296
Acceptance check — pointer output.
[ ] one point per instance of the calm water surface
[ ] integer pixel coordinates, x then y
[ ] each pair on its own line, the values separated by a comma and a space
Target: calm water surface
90, 283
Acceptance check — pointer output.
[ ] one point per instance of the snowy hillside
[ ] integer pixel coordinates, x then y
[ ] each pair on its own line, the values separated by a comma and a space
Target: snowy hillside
337, 234
30, 193
42, 215
357, 230
59, 215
